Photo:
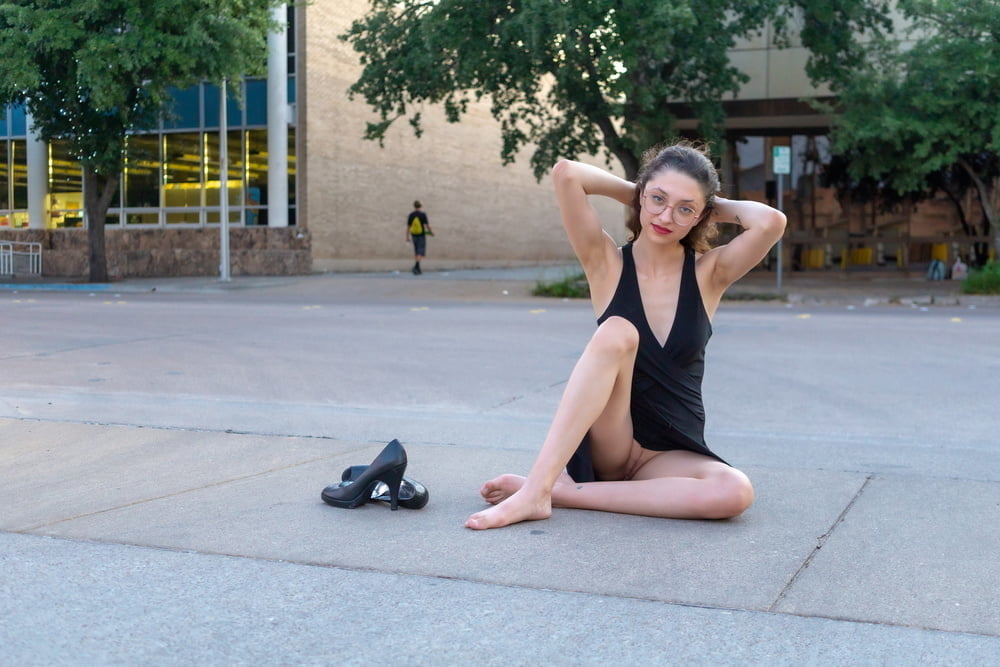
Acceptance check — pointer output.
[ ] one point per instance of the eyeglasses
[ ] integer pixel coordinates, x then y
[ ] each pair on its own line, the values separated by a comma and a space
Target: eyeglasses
682, 214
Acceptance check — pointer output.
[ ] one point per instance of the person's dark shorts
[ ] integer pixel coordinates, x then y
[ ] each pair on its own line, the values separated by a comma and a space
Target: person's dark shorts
419, 244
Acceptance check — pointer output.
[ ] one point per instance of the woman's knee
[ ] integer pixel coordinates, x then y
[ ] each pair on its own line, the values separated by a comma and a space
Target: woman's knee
617, 336
731, 494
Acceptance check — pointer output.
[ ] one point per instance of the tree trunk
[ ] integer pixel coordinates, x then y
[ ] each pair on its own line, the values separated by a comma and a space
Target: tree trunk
97, 192
986, 201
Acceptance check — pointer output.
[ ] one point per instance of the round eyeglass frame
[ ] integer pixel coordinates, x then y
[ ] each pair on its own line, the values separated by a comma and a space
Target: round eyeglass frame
673, 212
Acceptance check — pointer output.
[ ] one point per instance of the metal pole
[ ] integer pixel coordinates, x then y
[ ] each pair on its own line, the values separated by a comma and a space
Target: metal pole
223, 185
780, 179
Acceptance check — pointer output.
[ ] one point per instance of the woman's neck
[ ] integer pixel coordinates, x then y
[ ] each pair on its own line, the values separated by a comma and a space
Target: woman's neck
657, 258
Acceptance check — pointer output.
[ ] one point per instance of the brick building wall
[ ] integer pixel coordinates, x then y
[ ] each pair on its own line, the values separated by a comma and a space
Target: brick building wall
358, 195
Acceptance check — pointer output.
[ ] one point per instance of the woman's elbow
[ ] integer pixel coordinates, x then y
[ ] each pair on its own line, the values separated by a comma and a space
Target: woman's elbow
777, 222
563, 170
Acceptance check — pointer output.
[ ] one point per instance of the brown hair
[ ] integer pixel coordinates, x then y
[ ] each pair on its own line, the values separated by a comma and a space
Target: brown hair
692, 160
416, 204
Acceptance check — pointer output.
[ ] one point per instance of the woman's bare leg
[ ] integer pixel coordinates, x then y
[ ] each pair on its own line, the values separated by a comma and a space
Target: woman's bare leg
596, 395
675, 484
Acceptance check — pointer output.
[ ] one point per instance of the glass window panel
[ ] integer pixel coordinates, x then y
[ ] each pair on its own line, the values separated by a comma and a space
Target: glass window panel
256, 175
112, 219
291, 65
184, 112
183, 217
143, 218
19, 172
65, 173
256, 101
4, 177
290, 29
291, 90
182, 169
212, 217
234, 149
142, 172
18, 122
65, 187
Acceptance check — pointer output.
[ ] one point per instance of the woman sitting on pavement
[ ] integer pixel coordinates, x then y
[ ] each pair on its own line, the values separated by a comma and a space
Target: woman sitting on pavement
628, 434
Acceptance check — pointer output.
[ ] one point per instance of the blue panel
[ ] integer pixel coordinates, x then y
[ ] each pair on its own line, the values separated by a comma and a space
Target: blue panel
256, 102
18, 122
291, 90
211, 105
234, 114
185, 108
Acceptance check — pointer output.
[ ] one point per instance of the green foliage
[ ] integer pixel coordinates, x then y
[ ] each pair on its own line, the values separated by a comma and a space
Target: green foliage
842, 36
92, 70
911, 114
572, 78
985, 280
571, 287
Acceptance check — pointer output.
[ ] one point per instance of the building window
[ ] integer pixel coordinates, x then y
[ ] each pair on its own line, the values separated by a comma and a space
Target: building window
182, 171
65, 187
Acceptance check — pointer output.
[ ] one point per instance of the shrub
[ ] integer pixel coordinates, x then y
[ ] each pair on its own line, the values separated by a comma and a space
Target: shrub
571, 287
983, 281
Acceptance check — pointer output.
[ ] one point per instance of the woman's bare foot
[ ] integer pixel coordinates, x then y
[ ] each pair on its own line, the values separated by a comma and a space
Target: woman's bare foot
501, 488
520, 506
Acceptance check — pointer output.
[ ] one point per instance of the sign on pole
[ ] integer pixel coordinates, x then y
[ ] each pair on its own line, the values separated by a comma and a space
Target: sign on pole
781, 164
782, 159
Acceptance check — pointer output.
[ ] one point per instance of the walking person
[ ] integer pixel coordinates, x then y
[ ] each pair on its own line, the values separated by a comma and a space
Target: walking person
628, 434
417, 231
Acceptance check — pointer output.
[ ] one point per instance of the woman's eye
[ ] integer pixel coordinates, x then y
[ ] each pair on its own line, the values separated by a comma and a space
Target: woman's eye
684, 210
657, 199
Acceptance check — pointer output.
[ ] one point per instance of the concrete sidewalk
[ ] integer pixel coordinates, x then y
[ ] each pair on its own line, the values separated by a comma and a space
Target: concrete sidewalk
163, 453
376, 279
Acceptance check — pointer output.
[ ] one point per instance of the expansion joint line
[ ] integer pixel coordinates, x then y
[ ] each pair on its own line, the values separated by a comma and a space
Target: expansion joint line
819, 544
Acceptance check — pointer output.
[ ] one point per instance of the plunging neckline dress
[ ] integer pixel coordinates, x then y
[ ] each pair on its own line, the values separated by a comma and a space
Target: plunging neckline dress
667, 408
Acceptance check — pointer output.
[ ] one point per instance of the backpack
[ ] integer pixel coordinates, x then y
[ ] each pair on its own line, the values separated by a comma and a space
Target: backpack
416, 225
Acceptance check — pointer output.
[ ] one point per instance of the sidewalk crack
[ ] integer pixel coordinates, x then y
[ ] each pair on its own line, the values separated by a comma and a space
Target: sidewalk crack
819, 544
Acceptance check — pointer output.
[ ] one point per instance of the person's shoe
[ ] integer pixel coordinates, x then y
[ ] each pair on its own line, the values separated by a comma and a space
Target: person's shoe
412, 494
387, 468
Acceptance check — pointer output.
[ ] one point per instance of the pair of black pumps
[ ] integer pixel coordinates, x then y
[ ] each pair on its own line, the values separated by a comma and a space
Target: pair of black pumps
382, 480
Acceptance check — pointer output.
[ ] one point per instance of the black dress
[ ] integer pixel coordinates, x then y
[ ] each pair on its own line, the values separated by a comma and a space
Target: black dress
667, 409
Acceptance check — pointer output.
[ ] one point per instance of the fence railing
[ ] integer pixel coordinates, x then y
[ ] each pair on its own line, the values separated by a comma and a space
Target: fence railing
19, 258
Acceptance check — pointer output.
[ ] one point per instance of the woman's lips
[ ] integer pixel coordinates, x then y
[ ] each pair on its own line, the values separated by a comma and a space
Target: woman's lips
659, 230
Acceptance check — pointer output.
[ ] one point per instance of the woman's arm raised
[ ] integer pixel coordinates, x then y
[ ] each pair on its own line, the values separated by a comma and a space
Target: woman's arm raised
762, 228
573, 182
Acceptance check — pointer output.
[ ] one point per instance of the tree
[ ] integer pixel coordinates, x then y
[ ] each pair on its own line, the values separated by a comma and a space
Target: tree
91, 71
571, 78
909, 115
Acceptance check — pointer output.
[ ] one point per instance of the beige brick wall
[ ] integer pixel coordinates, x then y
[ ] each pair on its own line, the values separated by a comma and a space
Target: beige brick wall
359, 194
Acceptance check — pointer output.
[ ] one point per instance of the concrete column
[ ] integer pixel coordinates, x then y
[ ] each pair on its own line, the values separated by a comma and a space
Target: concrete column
38, 178
277, 122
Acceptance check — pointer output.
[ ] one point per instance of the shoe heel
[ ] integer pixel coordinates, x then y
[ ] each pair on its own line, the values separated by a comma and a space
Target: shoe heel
393, 479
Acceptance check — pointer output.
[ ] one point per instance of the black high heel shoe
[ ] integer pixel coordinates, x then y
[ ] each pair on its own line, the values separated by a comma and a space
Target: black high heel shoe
412, 494
388, 468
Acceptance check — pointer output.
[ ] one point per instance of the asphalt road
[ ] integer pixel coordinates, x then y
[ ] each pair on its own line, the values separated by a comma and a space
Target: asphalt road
163, 451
